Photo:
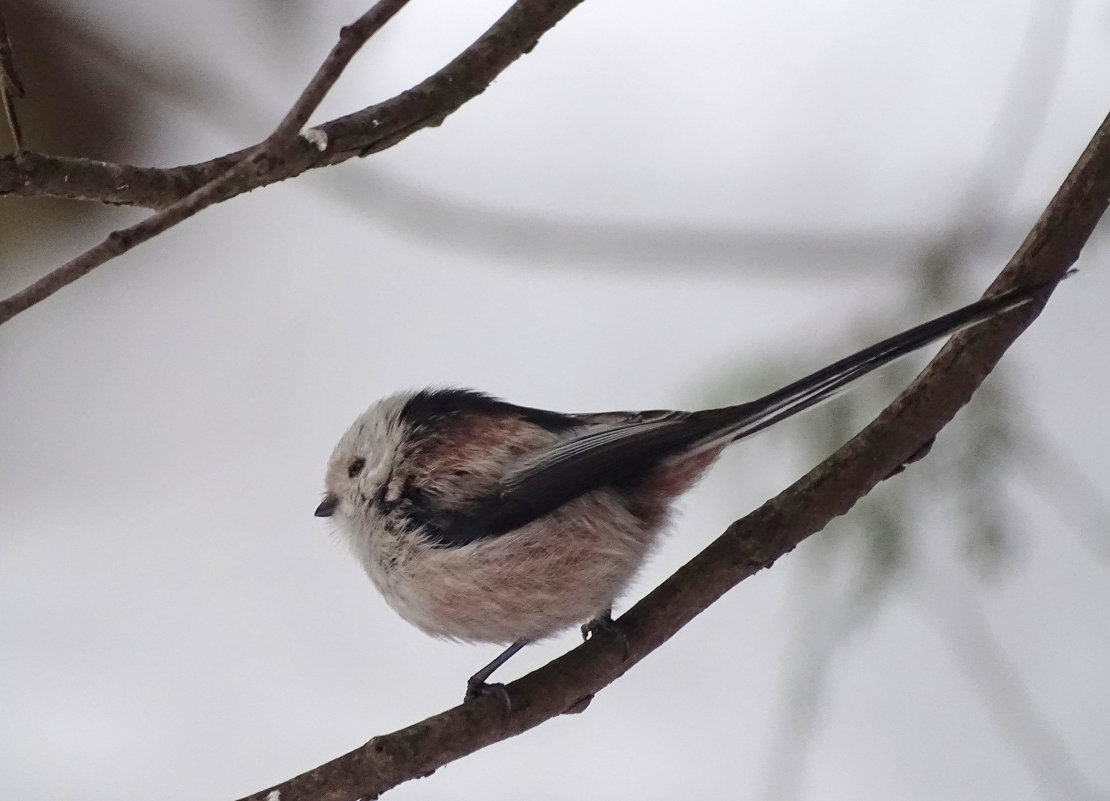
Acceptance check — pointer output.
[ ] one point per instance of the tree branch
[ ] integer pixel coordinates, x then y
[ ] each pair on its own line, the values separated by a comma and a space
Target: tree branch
351, 40
748, 545
374, 128
253, 161
181, 192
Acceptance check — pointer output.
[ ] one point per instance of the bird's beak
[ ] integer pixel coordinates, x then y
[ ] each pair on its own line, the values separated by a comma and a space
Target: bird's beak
327, 506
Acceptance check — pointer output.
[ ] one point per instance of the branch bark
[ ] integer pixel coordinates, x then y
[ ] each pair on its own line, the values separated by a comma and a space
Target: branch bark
751, 544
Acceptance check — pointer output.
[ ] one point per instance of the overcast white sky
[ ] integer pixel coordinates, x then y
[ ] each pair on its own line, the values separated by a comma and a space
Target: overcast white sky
175, 623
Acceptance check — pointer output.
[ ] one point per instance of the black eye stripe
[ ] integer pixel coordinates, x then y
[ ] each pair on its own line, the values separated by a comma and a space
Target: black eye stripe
355, 467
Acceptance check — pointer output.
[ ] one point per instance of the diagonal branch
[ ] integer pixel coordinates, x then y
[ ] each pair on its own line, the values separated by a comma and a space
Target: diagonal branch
183, 191
751, 544
254, 161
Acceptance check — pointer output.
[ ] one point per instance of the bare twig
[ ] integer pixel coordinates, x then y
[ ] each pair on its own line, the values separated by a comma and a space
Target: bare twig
351, 40
750, 544
375, 128
253, 161
370, 130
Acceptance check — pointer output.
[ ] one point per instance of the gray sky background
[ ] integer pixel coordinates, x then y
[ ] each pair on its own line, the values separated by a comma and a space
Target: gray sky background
174, 623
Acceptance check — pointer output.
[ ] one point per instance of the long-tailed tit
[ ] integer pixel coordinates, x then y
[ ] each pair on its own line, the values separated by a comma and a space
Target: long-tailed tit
483, 521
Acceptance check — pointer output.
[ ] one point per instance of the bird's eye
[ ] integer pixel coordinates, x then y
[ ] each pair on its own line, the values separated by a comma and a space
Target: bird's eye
355, 467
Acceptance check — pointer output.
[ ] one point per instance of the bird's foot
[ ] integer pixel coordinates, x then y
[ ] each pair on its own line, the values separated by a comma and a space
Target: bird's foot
483, 689
477, 686
604, 625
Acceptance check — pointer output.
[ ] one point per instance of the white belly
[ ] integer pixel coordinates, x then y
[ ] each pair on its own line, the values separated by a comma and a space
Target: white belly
528, 584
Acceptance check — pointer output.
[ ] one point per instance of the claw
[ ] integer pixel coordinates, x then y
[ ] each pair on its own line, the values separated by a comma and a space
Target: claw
476, 685
495, 690
604, 625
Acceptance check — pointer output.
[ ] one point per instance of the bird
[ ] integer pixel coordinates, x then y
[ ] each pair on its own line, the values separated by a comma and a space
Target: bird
483, 521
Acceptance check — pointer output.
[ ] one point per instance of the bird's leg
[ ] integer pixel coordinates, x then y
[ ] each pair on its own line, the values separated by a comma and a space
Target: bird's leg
604, 624
476, 685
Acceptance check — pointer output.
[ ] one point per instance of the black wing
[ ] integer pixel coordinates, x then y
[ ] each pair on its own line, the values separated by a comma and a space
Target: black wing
597, 456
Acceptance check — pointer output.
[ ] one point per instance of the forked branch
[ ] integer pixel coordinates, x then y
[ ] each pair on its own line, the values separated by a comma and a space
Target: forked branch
181, 192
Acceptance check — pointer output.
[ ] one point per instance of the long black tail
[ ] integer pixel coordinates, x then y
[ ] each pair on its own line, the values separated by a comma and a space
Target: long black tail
827, 382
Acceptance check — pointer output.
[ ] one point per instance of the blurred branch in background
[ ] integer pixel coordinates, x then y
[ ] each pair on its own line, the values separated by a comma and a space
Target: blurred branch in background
1019, 123
1053, 474
981, 221
74, 102
10, 85
945, 601
851, 575
826, 617
980, 450
531, 241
